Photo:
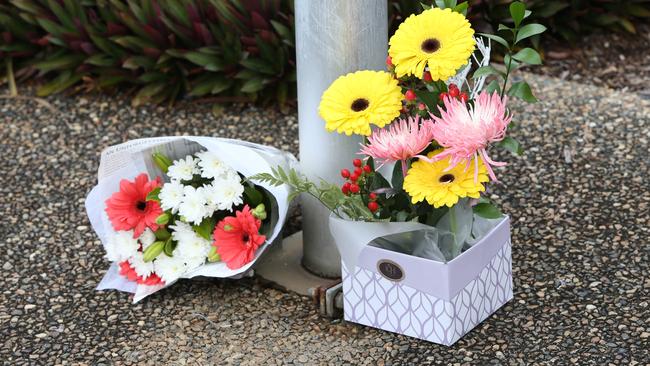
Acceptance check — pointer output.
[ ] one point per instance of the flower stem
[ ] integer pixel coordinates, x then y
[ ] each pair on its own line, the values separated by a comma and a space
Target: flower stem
13, 91
505, 79
453, 223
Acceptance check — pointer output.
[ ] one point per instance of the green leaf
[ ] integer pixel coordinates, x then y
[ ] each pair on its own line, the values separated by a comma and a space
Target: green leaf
627, 25
397, 179
529, 30
428, 98
522, 90
461, 8
206, 228
511, 145
517, 12
258, 65
493, 86
551, 8
153, 195
503, 27
284, 32
496, 38
253, 196
101, 60
450, 3
529, 56
510, 62
252, 86
63, 62
162, 234
199, 58
487, 210
485, 71
59, 84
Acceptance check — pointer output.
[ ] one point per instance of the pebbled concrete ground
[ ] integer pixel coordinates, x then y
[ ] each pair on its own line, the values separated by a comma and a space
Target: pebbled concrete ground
579, 199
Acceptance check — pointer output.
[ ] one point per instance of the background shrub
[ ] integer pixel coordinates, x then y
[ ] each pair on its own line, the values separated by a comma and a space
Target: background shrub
233, 50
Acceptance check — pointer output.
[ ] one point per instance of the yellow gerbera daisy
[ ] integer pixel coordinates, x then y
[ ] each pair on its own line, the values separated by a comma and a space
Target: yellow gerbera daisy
438, 38
356, 100
430, 181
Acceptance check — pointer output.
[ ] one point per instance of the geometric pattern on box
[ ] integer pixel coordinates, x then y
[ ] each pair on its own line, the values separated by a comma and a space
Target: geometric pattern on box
375, 301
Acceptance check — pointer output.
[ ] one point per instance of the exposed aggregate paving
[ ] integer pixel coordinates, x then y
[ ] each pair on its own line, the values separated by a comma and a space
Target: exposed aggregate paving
579, 199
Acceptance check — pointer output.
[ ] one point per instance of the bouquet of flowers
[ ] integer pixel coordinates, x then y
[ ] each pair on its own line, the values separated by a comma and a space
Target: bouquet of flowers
190, 211
424, 252
430, 121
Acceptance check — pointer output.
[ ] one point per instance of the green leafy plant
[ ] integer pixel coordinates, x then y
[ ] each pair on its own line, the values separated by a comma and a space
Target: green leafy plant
163, 50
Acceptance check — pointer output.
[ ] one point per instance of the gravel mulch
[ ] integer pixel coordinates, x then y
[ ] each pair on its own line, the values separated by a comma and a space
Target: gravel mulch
579, 199
610, 59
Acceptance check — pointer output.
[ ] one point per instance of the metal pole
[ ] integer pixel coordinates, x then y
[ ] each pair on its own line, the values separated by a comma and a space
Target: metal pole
333, 37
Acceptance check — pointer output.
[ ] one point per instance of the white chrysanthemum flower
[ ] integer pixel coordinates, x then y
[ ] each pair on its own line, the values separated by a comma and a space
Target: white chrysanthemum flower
183, 169
211, 165
171, 196
193, 207
147, 238
121, 245
191, 246
211, 198
228, 193
141, 267
169, 268
180, 230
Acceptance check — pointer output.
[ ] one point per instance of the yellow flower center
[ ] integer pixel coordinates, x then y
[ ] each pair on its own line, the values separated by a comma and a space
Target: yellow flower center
430, 45
359, 104
447, 178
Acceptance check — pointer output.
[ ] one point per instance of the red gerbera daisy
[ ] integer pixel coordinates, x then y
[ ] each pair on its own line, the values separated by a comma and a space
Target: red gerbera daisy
129, 209
129, 272
237, 238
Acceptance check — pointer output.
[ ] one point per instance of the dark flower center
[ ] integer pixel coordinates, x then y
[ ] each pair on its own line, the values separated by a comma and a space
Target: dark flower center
141, 205
430, 45
245, 238
447, 178
359, 104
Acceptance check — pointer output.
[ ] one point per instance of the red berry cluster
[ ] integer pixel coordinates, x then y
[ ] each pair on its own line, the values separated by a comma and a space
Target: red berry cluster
352, 184
373, 206
454, 92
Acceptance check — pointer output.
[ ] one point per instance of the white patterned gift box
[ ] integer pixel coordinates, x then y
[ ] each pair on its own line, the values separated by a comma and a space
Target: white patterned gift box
422, 298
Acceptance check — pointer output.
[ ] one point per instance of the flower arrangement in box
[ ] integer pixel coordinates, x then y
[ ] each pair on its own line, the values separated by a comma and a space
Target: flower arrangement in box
424, 251
426, 117
162, 218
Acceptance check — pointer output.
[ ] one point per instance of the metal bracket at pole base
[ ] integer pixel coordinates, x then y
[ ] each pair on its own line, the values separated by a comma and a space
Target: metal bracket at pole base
329, 300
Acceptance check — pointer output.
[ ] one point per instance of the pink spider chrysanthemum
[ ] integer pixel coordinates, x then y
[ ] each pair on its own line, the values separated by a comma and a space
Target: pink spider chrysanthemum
401, 141
465, 131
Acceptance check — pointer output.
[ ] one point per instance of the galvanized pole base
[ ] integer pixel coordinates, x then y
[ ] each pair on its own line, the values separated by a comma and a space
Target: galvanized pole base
333, 37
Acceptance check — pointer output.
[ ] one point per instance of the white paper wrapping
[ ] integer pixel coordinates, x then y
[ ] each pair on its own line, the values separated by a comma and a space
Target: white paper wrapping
127, 160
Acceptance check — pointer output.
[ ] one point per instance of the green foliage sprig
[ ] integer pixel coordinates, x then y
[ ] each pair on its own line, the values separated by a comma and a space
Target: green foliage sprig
510, 38
343, 206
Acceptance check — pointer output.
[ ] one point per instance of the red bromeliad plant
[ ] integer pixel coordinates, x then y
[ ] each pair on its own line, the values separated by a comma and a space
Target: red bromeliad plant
164, 49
